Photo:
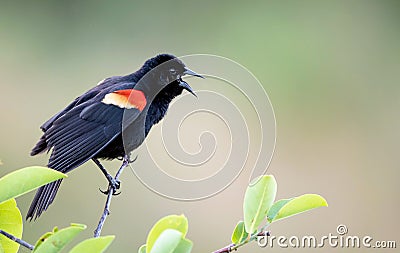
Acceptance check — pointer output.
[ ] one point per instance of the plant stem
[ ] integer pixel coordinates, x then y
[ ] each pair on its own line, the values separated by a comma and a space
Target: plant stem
111, 193
234, 247
17, 240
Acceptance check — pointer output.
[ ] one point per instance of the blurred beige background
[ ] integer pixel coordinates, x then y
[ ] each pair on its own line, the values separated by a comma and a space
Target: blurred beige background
331, 69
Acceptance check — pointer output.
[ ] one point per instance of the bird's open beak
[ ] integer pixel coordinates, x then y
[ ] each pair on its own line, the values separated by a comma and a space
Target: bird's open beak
191, 73
185, 85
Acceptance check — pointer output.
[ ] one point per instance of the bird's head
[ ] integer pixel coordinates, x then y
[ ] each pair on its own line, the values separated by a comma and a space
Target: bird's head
166, 72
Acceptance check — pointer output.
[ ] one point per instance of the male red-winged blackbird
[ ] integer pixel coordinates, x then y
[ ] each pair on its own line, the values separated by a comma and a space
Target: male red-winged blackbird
109, 121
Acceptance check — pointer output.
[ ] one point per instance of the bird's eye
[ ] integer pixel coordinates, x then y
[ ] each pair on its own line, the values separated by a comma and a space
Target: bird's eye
172, 71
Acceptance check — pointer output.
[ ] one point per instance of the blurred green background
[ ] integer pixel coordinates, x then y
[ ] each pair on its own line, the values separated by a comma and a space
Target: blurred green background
331, 69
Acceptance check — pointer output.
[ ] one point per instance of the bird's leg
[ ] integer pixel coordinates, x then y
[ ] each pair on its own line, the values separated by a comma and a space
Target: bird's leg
125, 162
113, 183
110, 193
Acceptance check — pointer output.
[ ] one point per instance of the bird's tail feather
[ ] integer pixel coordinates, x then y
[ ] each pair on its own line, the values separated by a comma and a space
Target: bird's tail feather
40, 147
43, 198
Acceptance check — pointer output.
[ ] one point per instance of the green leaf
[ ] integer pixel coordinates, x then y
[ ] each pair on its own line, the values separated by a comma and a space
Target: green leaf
11, 222
25, 180
300, 204
239, 234
93, 245
57, 241
177, 222
142, 249
258, 199
42, 239
45, 236
273, 210
184, 246
167, 242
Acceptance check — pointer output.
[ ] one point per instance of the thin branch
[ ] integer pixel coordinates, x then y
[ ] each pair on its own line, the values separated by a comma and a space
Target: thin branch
111, 193
106, 212
17, 240
234, 247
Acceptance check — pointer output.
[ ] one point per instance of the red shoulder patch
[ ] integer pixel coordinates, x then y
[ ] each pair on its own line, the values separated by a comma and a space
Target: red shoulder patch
127, 99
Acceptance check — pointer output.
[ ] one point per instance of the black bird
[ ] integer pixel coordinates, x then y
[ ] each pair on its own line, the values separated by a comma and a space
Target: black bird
109, 121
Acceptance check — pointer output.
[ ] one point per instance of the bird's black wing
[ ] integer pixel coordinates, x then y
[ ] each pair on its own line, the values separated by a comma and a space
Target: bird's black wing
105, 84
84, 131
77, 136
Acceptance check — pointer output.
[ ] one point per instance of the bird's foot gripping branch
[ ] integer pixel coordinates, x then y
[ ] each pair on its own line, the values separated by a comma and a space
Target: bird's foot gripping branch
111, 191
168, 235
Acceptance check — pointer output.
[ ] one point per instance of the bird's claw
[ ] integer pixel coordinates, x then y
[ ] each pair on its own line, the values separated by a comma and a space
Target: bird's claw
132, 160
106, 192
113, 185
